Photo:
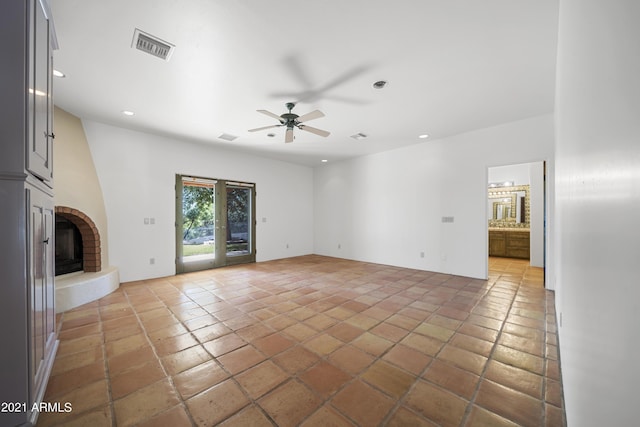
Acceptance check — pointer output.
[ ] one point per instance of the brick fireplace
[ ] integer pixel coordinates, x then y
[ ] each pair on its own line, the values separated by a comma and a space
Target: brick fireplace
91, 251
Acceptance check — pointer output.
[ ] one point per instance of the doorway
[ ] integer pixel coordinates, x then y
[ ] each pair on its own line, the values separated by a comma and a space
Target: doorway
516, 212
215, 224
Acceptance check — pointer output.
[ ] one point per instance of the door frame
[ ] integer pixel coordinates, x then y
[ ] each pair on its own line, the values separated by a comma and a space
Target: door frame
220, 258
545, 213
244, 258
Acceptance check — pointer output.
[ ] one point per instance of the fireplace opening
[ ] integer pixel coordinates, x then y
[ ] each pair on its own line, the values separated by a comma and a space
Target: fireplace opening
69, 250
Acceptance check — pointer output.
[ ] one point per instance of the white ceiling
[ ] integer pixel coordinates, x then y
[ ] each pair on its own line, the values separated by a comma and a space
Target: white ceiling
452, 66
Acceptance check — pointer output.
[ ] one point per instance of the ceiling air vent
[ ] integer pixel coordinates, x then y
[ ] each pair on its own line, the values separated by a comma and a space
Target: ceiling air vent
152, 45
227, 137
359, 136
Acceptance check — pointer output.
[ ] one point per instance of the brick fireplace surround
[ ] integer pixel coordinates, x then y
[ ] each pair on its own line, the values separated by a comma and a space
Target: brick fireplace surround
91, 252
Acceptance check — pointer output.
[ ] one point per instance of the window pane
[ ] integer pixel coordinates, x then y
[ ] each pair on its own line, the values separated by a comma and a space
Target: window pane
238, 220
198, 221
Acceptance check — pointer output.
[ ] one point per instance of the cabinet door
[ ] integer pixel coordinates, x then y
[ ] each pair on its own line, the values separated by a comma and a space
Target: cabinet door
40, 149
497, 243
41, 292
37, 314
49, 276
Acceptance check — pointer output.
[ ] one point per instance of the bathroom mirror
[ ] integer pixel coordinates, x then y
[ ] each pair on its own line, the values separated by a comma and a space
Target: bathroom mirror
509, 206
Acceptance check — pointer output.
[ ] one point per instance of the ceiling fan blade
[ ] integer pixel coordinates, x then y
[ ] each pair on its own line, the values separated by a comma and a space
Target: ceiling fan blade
288, 137
270, 114
294, 63
264, 127
344, 78
310, 116
315, 130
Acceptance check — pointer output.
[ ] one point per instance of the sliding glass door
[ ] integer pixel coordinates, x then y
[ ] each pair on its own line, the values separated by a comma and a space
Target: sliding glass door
215, 223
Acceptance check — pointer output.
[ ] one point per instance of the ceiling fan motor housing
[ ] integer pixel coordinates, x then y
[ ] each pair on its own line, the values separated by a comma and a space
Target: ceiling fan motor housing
289, 119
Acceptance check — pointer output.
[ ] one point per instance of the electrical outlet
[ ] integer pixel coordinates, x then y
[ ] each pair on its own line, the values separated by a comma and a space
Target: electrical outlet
339, 246
146, 221
152, 221
152, 261
287, 246
421, 254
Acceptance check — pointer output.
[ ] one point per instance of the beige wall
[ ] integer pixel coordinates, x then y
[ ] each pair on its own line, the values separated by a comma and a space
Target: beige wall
75, 180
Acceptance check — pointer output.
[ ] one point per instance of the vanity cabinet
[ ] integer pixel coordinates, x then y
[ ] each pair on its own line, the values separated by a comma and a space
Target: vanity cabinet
27, 291
509, 243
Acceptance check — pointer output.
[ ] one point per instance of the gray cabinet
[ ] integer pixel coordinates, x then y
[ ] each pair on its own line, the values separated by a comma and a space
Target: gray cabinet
40, 107
27, 292
41, 289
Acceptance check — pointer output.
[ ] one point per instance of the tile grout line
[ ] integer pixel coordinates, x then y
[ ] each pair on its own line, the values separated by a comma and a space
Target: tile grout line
490, 356
112, 408
167, 375
402, 400
252, 402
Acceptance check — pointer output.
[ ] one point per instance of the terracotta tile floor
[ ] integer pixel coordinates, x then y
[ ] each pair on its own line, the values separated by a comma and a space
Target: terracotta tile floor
313, 341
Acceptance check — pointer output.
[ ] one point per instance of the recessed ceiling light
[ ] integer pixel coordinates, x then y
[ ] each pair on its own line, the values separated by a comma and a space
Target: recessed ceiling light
324, 160
271, 135
423, 136
379, 84
59, 74
128, 113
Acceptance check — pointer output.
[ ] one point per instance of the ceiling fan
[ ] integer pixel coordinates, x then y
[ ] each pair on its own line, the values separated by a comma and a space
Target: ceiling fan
291, 120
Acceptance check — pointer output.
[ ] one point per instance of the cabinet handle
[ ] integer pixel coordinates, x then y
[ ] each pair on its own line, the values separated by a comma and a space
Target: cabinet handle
50, 135
46, 241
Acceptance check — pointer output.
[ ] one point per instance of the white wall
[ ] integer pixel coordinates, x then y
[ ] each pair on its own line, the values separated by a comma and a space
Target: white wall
598, 200
519, 174
388, 207
137, 174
